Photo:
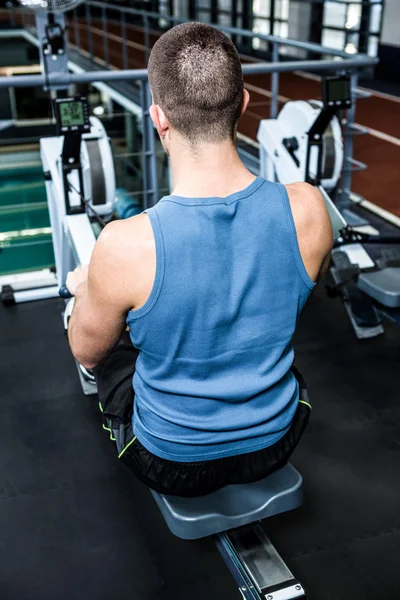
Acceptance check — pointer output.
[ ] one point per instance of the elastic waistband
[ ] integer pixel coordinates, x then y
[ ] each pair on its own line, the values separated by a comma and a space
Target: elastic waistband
185, 453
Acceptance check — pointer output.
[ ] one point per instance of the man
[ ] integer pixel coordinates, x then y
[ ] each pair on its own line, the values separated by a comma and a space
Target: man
211, 282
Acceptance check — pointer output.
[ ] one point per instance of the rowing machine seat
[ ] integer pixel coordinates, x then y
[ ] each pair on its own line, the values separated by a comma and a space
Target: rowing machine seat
232, 506
383, 286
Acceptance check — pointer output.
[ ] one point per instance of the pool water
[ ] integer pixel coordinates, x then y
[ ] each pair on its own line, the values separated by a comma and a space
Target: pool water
25, 234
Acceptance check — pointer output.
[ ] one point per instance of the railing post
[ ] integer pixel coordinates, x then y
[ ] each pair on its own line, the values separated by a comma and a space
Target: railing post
124, 48
76, 30
146, 39
12, 15
170, 10
345, 185
105, 37
274, 83
89, 30
149, 157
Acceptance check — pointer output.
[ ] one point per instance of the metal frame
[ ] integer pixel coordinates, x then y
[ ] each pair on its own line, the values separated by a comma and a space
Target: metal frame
363, 30
106, 78
245, 32
275, 67
316, 22
82, 239
149, 157
255, 565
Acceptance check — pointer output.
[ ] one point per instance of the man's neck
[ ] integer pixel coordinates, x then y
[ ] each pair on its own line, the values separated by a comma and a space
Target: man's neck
212, 170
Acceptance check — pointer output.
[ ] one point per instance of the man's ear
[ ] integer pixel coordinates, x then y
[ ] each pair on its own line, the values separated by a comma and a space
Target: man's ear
159, 119
245, 101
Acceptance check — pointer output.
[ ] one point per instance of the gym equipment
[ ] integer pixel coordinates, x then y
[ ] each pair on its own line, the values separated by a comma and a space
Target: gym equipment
52, 6
80, 182
80, 185
305, 143
50, 26
64, 292
73, 171
370, 290
230, 515
77, 163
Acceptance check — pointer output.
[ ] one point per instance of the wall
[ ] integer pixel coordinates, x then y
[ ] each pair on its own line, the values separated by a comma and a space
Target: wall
389, 47
299, 25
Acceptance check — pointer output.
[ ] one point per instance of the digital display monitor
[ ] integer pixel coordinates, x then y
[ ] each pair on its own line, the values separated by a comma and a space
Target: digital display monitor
71, 113
337, 91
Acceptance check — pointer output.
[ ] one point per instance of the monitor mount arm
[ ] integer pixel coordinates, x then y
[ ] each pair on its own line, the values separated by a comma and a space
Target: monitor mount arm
332, 104
315, 140
71, 162
72, 121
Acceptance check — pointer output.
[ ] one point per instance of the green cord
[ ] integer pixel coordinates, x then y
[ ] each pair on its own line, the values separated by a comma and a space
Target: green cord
306, 403
126, 447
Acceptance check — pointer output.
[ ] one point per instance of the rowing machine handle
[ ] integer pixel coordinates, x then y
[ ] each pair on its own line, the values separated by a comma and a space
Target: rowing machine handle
64, 292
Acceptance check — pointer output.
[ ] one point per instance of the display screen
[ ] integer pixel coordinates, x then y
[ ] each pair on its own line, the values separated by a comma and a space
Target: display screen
71, 114
338, 89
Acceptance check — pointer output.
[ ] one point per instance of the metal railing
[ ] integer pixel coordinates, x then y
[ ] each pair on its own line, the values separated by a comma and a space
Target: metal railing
123, 17
106, 13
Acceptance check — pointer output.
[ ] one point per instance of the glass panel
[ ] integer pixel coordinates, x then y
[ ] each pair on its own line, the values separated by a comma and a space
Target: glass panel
353, 16
373, 46
163, 7
260, 26
334, 14
180, 9
225, 6
261, 8
225, 20
333, 39
203, 16
282, 9
376, 16
352, 44
204, 10
281, 29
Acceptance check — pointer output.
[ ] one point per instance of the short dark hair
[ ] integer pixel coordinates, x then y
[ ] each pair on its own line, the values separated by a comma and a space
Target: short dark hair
196, 78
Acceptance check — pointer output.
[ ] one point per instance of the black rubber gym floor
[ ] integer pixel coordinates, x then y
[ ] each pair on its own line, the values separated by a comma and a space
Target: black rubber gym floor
76, 525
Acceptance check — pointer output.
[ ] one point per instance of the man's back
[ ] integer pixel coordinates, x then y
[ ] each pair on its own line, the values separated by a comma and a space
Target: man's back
130, 244
214, 333
211, 289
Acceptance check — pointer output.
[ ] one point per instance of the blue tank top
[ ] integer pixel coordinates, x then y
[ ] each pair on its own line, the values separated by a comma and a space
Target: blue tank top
213, 375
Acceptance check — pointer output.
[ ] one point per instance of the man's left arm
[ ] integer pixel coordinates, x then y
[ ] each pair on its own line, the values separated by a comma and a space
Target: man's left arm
101, 301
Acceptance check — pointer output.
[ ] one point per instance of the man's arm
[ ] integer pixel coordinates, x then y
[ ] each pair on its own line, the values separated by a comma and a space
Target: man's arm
102, 300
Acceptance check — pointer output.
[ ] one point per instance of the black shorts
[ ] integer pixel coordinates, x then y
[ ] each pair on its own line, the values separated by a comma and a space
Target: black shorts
189, 479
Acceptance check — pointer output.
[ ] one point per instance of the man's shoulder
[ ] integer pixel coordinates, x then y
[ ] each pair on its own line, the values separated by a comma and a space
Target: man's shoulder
124, 257
138, 223
126, 234
310, 214
306, 197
